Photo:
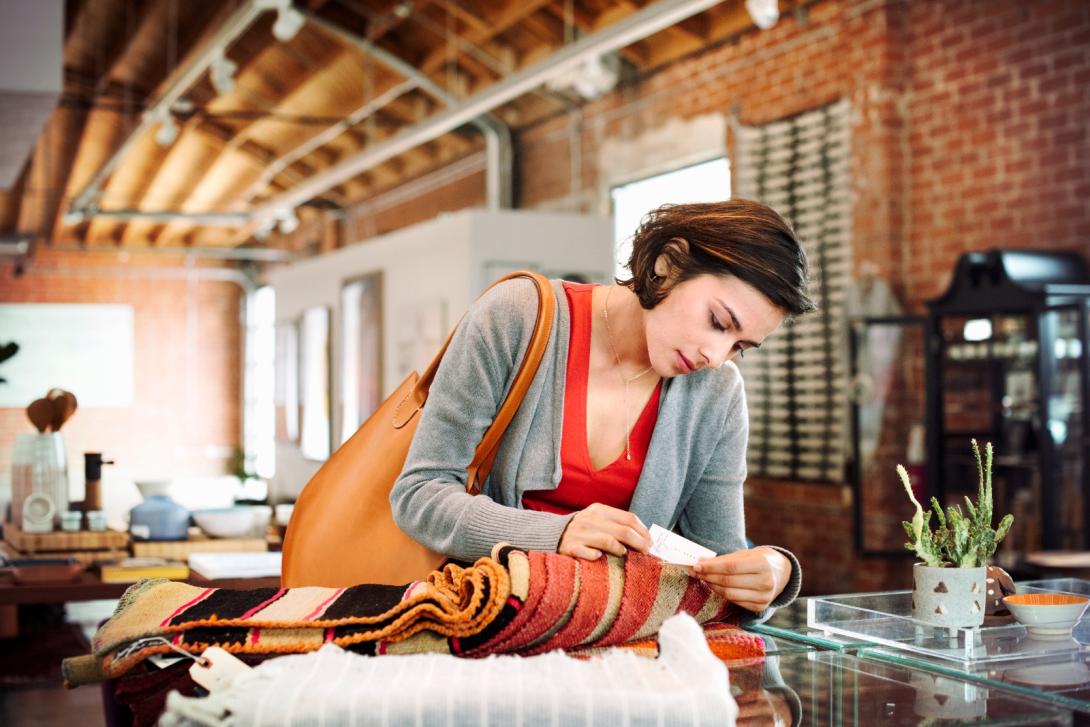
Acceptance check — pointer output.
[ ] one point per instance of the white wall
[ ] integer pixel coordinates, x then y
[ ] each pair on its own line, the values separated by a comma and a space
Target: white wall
450, 260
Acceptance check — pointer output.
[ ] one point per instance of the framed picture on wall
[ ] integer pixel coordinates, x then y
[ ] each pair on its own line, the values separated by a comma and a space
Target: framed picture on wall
361, 352
314, 382
286, 394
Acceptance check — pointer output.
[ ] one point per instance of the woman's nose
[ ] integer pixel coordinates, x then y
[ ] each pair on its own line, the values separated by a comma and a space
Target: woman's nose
716, 353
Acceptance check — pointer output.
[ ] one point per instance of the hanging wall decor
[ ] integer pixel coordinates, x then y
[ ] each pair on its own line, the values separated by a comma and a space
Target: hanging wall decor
794, 384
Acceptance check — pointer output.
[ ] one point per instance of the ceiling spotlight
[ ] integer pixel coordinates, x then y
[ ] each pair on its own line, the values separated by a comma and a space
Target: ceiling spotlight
765, 13
287, 221
73, 216
222, 74
403, 9
264, 229
288, 23
168, 129
590, 79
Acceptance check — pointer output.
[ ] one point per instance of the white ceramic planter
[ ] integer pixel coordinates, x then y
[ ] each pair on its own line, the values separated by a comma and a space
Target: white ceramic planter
949, 596
942, 698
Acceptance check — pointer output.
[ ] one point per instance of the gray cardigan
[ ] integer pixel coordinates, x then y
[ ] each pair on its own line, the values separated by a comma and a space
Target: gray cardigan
692, 476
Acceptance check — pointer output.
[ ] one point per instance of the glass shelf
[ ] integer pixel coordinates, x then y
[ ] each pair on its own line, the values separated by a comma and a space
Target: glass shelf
1062, 678
884, 620
1064, 681
789, 624
836, 688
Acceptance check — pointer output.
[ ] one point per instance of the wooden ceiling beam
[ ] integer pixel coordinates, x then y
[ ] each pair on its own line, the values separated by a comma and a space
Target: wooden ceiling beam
722, 22
50, 165
499, 18
224, 178
588, 23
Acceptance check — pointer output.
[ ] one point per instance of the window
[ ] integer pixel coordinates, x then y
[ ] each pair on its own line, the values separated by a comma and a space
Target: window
704, 182
361, 362
258, 420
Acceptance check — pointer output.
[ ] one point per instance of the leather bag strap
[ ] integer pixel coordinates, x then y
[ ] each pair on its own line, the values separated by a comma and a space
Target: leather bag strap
478, 470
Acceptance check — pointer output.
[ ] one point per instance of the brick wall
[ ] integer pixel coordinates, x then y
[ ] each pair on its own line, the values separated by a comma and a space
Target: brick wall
997, 129
968, 133
185, 413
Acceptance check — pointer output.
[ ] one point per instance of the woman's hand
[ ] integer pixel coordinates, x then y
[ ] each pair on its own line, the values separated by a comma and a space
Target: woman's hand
750, 578
601, 529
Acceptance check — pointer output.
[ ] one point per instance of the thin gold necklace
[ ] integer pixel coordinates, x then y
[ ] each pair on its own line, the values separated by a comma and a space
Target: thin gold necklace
625, 381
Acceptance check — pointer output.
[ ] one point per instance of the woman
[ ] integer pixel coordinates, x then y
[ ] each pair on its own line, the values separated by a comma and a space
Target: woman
636, 415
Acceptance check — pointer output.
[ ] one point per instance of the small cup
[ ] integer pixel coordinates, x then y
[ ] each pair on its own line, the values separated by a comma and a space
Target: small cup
96, 520
71, 521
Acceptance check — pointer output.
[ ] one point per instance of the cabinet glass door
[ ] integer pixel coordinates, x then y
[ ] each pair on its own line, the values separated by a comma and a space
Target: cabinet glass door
887, 393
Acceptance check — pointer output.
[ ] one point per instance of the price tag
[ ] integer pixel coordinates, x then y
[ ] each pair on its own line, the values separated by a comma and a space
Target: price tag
673, 548
217, 668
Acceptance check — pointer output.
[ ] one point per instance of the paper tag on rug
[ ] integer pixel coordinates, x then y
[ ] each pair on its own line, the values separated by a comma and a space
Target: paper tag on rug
673, 548
218, 669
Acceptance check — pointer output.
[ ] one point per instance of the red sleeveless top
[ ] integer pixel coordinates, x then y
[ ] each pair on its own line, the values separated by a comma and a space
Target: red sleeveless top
580, 484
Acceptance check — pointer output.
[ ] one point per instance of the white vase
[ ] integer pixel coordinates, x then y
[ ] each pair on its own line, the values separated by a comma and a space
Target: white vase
39, 464
949, 596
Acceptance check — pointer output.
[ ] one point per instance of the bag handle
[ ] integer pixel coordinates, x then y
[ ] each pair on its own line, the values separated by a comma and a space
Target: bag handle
478, 470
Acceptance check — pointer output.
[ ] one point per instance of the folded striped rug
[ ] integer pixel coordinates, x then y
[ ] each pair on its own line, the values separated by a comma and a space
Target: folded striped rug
158, 616
516, 602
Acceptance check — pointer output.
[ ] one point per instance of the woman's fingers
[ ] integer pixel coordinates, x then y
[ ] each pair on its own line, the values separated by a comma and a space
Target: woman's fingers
601, 529
748, 581
631, 530
747, 599
749, 578
586, 553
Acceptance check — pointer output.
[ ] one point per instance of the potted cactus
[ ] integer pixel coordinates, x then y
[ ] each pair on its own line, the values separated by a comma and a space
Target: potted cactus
948, 584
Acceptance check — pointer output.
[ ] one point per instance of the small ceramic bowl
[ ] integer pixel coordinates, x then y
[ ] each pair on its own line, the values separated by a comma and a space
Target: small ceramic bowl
225, 522
283, 514
1047, 615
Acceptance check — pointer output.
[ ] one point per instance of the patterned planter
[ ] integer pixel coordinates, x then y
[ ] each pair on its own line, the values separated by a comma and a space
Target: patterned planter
949, 596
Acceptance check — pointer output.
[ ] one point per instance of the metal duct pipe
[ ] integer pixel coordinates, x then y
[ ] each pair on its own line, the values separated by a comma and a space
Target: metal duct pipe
647, 21
497, 136
14, 245
245, 254
223, 275
208, 219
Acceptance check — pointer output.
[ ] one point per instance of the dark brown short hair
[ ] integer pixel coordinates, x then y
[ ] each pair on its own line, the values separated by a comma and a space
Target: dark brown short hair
738, 237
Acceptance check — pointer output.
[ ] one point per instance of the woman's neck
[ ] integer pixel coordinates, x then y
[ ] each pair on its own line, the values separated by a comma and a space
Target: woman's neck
625, 327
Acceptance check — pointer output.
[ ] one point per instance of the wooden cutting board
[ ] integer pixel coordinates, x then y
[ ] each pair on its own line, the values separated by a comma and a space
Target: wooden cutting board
60, 541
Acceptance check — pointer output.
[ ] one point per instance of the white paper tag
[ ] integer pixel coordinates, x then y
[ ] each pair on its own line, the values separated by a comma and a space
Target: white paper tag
219, 669
673, 548
164, 660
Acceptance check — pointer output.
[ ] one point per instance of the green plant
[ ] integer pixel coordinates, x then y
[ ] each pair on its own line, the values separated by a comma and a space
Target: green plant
960, 540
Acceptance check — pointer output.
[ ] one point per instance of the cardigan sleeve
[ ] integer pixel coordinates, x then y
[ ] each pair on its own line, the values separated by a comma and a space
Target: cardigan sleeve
714, 515
429, 500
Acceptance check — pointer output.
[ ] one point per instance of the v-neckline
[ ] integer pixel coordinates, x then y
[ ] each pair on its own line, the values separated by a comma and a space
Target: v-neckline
588, 322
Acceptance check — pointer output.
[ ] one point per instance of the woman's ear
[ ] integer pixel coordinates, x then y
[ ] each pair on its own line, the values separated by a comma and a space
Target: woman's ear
676, 246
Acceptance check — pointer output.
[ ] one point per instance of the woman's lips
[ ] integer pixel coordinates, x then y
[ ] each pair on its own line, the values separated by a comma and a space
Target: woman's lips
685, 364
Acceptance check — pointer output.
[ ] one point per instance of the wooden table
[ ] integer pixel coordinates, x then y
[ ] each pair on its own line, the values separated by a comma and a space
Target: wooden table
88, 587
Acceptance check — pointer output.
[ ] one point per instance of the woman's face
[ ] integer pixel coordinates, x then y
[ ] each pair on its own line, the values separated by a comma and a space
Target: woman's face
706, 321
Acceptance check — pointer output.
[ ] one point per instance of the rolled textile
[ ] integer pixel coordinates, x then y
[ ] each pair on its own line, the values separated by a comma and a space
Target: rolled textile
514, 602
159, 616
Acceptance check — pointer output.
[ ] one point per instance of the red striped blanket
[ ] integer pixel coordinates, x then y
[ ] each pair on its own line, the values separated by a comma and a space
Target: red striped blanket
514, 602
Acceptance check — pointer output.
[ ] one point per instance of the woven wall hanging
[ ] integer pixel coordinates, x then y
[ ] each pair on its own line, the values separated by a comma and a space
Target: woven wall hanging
795, 382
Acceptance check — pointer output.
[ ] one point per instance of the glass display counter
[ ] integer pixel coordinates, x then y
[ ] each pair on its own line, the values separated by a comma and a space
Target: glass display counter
858, 633
838, 688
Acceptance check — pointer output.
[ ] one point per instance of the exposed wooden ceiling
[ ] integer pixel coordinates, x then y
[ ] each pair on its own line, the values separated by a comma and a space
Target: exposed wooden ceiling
120, 56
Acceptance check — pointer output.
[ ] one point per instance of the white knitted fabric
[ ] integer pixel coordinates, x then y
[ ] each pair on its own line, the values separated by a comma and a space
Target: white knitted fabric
685, 685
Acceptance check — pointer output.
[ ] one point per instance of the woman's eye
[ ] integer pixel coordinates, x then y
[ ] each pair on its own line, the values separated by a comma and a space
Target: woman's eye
716, 324
740, 350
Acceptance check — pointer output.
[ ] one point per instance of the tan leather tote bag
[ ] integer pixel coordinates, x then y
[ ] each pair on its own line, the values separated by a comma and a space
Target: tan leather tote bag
342, 531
